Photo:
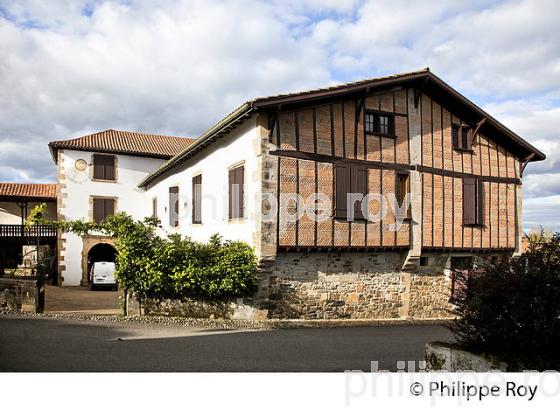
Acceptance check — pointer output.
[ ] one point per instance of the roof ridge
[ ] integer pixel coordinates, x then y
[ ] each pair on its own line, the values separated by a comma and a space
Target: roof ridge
344, 84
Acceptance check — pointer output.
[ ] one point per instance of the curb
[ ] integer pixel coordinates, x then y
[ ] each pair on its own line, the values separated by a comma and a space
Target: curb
268, 324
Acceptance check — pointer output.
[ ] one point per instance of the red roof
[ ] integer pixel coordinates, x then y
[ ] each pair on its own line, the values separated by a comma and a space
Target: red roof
20, 190
125, 142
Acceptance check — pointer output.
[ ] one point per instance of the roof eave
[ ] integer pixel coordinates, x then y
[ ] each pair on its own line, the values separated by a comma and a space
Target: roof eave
214, 132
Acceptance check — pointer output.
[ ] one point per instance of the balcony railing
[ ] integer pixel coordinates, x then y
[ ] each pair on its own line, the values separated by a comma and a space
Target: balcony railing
14, 231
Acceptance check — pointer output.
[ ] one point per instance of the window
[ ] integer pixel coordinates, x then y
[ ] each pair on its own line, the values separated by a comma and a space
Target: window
461, 137
380, 123
473, 201
102, 208
349, 179
197, 199
104, 167
236, 181
402, 188
424, 261
174, 206
154, 207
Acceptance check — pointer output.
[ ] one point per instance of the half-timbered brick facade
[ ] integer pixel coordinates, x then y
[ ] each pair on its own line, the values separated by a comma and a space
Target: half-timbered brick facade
434, 182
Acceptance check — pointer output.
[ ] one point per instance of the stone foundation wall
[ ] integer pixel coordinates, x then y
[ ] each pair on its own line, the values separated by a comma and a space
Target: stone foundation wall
22, 294
353, 285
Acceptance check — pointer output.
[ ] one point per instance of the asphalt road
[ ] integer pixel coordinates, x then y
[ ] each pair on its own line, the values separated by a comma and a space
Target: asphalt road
28, 344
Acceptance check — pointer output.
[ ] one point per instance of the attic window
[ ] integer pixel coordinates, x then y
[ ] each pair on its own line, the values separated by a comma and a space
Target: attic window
380, 123
461, 137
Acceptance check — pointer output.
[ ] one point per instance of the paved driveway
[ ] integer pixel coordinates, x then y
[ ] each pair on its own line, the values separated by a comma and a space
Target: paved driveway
77, 299
63, 345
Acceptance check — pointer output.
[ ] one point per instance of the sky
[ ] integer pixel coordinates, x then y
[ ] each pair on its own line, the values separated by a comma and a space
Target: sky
69, 68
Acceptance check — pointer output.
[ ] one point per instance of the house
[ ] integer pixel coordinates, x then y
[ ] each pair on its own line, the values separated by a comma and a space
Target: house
18, 243
359, 199
97, 176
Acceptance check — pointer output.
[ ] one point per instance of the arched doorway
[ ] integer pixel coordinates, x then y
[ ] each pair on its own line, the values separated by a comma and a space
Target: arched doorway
102, 252
95, 248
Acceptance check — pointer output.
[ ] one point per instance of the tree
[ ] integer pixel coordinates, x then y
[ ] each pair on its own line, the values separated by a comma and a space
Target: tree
511, 309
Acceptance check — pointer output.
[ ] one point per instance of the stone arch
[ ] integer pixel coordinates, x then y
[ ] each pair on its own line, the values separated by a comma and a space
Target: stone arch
89, 241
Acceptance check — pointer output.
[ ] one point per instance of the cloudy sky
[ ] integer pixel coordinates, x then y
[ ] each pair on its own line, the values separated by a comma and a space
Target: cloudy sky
68, 68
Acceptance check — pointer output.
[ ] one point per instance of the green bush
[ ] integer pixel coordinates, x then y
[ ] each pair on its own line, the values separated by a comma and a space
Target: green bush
179, 268
511, 309
171, 268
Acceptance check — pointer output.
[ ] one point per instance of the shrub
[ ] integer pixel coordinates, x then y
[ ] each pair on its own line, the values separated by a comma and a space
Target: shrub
174, 267
511, 309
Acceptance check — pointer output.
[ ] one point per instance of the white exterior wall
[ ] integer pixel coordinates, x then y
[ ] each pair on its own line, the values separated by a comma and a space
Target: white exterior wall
78, 188
237, 148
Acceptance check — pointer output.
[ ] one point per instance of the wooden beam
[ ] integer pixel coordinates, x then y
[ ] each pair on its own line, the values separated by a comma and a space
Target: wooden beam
524, 163
272, 124
474, 132
418, 92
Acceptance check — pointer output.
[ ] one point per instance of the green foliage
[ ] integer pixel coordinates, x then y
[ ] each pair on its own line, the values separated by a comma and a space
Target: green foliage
512, 309
171, 268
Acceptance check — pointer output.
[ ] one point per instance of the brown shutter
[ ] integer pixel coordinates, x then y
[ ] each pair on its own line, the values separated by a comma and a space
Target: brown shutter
342, 188
236, 180
231, 182
154, 207
240, 179
98, 209
480, 202
465, 138
109, 208
197, 199
359, 186
104, 167
174, 206
469, 201
109, 167
98, 167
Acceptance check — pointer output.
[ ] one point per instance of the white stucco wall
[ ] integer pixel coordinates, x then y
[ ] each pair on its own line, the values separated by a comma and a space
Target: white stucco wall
10, 212
213, 163
78, 188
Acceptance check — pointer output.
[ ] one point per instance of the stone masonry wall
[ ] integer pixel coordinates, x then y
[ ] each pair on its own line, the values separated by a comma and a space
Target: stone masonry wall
356, 285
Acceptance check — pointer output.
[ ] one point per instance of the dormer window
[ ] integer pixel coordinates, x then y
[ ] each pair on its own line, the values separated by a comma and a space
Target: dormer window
378, 123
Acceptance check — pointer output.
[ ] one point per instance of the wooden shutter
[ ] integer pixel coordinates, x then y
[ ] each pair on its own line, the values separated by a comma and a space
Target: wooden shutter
110, 167
197, 199
469, 201
359, 186
102, 208
98, 167
236, 181
109, 207
98, 209
104, 167
154, 207
342, 188
455, 132
480, 202
174, 206
465, 138
241, 182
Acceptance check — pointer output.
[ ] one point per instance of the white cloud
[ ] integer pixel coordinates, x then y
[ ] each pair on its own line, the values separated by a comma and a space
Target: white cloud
174, 67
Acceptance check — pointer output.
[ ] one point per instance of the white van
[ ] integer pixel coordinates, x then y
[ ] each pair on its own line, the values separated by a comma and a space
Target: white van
102, 274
